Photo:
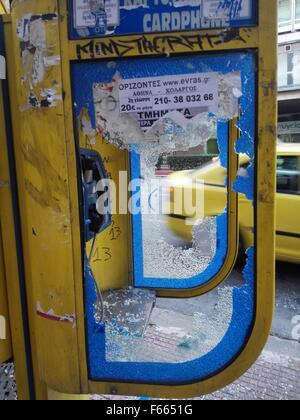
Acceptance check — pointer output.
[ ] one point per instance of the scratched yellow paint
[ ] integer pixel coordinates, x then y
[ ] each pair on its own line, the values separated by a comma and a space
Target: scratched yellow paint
5, 337
43, 182
9, 243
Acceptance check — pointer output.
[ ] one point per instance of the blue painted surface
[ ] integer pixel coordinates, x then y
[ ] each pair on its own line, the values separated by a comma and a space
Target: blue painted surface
167, 373
149, 19
83, 76
249, 270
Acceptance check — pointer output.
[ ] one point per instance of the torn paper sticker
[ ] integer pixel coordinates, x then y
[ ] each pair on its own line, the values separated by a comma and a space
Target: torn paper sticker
138, 110
37, 55
232, 9
47, 98
101, 15
86, 127
230, 92
50, 315
169, 132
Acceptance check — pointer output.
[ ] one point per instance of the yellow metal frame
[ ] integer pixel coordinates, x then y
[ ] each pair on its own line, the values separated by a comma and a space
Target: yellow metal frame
16, 347
56, 282
5, 335
5, 344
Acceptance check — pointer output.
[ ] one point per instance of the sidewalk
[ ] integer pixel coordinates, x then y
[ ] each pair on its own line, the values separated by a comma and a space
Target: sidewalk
275, 376
266, 380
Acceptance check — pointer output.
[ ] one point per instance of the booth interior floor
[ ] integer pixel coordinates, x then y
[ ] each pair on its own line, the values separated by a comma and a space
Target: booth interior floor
128, 311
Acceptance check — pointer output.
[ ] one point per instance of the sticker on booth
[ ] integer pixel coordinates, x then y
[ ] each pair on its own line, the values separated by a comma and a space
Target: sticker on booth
150, 99
89, 14
130, 111
125, 17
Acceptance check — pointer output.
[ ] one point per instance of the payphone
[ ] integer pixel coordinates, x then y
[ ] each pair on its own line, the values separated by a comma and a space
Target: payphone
127, 216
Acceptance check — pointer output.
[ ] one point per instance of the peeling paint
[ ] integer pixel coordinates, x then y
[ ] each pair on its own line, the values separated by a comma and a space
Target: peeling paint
52, 61
134, 6
184, 3
52, 316
249, 270
37, 56
172, 125
244, 183
86, 127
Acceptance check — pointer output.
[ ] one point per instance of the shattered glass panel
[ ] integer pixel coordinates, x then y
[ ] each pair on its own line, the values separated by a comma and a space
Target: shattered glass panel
169, 118
175, 147
8, 389
167, 330
166, 151
177, 258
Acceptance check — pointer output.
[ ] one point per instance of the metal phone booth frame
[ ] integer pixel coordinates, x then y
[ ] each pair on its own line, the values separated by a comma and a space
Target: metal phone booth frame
46, 157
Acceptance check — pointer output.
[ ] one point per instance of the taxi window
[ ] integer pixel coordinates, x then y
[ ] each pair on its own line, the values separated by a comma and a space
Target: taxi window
288, 175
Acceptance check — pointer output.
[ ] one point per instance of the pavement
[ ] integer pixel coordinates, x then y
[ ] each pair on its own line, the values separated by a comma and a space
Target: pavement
275, 376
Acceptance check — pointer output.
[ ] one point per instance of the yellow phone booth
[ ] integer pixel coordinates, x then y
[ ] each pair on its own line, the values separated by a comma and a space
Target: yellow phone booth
144, 147
14, 338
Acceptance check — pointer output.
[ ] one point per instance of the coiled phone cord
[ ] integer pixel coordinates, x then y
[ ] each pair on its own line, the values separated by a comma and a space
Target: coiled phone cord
98, 290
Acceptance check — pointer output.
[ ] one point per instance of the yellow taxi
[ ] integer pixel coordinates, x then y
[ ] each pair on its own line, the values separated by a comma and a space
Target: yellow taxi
215, 200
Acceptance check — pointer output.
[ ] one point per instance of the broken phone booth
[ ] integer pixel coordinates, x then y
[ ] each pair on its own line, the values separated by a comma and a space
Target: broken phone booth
149, 166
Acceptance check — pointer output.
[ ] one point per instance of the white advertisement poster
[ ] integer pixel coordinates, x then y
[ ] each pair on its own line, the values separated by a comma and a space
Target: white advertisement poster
140, 109
167, 93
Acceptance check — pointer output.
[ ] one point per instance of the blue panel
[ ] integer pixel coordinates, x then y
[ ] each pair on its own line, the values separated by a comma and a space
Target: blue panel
156, 16
85, 74
166, 373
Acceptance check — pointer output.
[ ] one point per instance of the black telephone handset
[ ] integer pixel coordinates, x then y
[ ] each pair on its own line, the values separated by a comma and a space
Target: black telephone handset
95, 221
93, 171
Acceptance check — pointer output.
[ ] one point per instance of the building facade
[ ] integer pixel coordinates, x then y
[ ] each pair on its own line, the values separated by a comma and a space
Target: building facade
289, 71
